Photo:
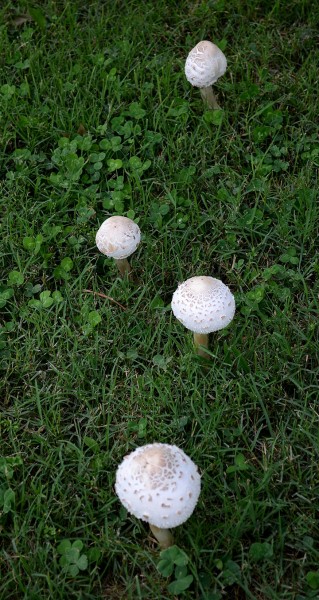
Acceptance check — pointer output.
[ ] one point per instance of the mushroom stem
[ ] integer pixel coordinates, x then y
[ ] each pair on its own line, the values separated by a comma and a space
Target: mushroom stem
209, 97
163, 536
123, 266
201, 339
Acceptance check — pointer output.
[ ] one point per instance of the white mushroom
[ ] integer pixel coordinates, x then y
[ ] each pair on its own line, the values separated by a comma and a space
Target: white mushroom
118, 237
204, 65
203, 305
160, 484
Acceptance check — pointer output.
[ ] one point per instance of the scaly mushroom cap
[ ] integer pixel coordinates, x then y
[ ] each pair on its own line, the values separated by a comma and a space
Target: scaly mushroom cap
158, 483
205, 64
118, 237
203, 304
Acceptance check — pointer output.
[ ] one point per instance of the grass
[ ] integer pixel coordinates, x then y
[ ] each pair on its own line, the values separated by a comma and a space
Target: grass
84, 379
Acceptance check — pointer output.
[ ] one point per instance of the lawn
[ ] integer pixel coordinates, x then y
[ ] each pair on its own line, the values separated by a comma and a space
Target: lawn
97, 119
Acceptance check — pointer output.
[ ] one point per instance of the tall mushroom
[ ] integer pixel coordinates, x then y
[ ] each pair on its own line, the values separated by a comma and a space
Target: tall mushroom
160, 484
203, 304
118, 237
204, 65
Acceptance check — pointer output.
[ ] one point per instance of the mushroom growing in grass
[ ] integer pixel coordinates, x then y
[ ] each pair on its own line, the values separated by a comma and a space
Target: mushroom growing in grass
204, 65
118, 237
160, 484
203, 304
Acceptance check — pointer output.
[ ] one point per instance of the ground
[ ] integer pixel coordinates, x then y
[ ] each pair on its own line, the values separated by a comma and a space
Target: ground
97, 119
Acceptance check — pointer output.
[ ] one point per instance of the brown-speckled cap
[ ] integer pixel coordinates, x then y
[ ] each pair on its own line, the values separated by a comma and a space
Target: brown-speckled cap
203, 304
158, 483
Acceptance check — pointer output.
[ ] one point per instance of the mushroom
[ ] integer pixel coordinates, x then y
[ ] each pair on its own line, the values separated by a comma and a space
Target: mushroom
160, 484
203, 304
118, 237
204, 65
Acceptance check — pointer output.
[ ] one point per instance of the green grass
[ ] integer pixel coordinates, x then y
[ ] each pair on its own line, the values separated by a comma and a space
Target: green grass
85, 380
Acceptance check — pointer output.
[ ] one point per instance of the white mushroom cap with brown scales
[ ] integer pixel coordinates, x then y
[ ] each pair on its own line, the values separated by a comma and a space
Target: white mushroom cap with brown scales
158, 483
203, 304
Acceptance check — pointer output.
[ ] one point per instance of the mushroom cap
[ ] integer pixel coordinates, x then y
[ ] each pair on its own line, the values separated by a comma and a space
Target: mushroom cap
118, 237
158, 483
205, 64
203, 304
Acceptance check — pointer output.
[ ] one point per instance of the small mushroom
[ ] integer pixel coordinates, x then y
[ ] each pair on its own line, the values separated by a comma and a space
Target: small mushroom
203, 305
160, 484
118, 237
204, 65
